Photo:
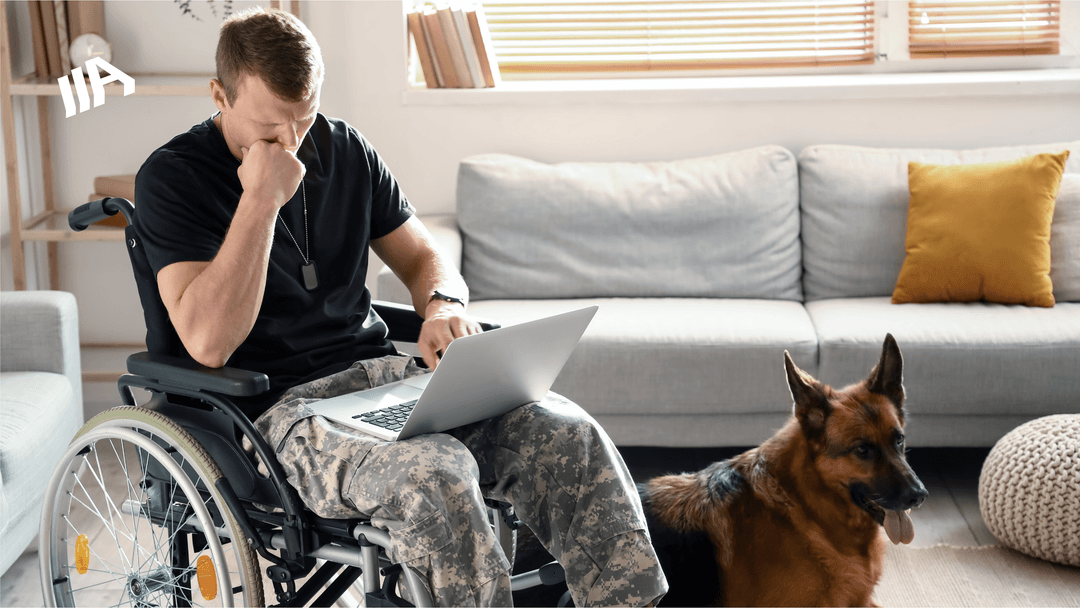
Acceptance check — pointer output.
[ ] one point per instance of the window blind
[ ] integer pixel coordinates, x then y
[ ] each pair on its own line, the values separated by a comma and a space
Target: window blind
552, 36
971, 28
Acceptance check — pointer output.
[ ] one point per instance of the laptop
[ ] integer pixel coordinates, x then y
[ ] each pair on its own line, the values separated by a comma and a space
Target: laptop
478, 377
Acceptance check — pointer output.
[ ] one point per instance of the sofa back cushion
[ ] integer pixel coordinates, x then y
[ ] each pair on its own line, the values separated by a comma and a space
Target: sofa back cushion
1065, 240
854, 206
724, 226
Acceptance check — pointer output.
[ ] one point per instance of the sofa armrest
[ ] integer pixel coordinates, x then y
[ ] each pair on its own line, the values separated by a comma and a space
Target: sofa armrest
444, 230
41, 334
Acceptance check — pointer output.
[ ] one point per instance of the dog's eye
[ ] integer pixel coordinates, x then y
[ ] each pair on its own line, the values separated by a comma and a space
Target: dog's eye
900, 440
864, 451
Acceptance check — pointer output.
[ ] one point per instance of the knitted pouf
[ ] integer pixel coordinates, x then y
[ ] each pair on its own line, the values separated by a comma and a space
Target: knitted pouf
1029, 489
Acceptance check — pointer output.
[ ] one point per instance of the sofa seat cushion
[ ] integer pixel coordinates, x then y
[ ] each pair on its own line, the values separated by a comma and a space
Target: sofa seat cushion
35, 428
653, 356
724, 226
959, 359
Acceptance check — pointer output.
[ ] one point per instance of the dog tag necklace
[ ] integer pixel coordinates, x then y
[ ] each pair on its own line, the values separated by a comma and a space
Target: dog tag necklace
308, 271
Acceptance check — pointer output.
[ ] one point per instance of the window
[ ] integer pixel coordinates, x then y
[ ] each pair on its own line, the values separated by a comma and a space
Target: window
970, 28
537, 37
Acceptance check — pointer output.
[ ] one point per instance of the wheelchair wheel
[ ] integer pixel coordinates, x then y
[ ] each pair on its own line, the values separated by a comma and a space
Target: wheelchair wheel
132, 517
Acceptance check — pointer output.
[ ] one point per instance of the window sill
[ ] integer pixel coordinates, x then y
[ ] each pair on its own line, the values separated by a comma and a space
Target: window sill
758, 88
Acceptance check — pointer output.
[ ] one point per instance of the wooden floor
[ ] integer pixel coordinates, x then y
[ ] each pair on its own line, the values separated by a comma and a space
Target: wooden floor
949, 515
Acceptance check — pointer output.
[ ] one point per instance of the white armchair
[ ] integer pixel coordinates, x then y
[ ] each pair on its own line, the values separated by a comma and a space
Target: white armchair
40, 405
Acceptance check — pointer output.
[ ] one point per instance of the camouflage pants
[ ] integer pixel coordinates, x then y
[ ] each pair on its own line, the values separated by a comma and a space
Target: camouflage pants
550, 460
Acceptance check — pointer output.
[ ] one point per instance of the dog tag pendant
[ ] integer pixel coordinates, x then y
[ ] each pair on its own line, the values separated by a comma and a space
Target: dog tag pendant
310, 275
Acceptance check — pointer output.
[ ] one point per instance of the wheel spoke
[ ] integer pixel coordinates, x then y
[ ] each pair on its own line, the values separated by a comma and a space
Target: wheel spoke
143, 467
94, 551
122, 459
109, 504
104, 562
152, 489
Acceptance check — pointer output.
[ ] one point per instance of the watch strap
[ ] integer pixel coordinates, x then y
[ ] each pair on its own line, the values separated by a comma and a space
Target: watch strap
438, 295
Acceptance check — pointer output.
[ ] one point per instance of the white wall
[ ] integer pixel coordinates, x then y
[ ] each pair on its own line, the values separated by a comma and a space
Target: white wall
422, 135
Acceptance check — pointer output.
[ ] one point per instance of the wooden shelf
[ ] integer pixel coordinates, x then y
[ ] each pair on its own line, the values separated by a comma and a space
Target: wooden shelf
148, 84
52, 226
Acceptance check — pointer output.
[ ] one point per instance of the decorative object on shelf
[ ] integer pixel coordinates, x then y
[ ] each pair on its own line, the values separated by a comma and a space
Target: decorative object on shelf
226, 9
87, 46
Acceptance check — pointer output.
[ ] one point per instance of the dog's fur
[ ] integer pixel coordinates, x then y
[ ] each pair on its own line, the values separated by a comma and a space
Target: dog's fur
797, 520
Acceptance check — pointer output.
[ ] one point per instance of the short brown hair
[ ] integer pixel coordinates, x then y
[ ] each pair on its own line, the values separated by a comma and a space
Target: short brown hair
273, 45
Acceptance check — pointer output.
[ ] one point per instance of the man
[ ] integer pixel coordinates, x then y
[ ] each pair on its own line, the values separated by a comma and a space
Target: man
257, 223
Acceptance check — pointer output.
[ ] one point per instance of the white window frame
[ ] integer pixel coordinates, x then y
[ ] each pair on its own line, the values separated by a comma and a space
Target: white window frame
893, 75
893, 56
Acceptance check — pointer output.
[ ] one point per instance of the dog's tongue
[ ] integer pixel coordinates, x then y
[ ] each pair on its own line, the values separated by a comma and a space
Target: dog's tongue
899, 527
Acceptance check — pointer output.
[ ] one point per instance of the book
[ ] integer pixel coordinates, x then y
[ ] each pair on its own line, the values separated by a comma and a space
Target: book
52, 43
453, 43
442, 50
115, 185
431, 52
62, 35
461, 22
484, 49
422, 53
41, 57
85, 17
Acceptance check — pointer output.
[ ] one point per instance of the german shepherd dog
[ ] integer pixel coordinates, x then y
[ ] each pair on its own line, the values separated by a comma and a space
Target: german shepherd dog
796, 521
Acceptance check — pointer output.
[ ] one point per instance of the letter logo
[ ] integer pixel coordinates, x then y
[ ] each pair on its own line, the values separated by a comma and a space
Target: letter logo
97, 85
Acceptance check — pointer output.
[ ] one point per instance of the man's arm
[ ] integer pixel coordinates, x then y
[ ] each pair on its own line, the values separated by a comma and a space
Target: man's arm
213, 305
416, 259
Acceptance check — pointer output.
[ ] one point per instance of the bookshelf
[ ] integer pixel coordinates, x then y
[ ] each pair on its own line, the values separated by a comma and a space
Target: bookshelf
50, 225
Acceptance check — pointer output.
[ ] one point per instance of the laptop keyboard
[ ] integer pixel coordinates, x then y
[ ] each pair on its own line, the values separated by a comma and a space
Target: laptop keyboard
391, 418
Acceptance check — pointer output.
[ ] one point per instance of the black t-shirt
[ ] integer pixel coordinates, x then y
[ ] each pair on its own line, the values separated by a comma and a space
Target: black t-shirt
187, 193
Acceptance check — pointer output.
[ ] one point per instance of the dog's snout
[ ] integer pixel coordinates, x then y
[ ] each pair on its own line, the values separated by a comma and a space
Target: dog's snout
914, 495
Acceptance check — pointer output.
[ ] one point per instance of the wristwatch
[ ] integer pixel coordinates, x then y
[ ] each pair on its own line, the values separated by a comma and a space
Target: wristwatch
438, 295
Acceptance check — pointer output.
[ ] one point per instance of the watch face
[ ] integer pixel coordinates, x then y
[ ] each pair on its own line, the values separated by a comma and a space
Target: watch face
89, 45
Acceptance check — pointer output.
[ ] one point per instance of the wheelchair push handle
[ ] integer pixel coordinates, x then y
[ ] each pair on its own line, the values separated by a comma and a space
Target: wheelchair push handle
95, 211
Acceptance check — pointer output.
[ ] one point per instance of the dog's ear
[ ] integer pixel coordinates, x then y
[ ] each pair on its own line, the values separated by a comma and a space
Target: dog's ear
811, 407
888, 375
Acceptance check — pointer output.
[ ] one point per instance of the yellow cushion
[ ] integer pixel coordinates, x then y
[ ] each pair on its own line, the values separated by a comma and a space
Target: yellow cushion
980, 232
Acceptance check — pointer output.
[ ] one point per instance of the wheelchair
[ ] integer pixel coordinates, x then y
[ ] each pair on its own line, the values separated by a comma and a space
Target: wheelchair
160, 504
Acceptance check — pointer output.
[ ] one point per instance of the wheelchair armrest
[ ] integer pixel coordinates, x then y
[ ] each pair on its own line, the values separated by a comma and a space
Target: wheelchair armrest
404, 323
193, 376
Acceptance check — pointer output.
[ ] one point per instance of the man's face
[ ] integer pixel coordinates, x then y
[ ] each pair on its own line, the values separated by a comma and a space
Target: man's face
260, 114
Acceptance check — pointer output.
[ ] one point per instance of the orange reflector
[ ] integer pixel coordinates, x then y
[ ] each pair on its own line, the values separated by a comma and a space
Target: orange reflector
207, 577
82, 554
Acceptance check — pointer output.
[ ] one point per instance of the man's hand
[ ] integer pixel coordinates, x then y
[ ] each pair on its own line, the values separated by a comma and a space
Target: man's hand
443, 323
270, 172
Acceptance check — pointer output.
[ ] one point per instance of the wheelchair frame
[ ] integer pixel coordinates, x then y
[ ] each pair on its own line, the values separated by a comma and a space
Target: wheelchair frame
196, 483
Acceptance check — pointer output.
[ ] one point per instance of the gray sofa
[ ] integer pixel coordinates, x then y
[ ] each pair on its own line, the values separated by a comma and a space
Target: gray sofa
706, 270
40, 405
